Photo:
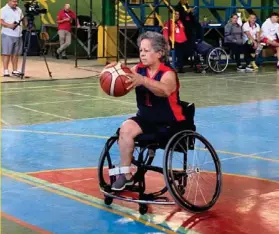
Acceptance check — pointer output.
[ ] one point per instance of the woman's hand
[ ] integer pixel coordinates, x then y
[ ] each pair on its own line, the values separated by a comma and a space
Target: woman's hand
135, 79
112, 64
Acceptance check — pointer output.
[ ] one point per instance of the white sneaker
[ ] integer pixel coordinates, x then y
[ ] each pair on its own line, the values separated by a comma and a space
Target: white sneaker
16, 73
249, 68
6, 73
240, 68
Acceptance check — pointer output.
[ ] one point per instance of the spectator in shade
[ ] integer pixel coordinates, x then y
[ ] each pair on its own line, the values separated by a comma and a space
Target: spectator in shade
251, 37
175, 30
234, 40
270, 31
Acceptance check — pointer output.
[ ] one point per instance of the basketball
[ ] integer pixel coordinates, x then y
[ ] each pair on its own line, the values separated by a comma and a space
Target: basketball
112, 80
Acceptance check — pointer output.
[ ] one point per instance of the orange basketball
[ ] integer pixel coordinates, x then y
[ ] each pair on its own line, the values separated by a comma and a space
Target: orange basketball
112, 80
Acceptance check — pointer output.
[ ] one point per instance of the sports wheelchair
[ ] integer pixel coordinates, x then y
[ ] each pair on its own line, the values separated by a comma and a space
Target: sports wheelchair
207, 57
180, 141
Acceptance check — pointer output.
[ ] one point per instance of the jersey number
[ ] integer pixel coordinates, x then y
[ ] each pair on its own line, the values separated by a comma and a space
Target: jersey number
147, 100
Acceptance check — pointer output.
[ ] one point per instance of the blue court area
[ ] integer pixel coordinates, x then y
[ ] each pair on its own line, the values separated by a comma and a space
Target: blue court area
247, 135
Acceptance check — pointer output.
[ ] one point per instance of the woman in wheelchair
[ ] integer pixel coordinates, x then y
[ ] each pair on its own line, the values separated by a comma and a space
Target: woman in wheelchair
162, 122
157, 95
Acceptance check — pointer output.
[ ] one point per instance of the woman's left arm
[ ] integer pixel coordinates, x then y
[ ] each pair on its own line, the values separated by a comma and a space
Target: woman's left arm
162, 88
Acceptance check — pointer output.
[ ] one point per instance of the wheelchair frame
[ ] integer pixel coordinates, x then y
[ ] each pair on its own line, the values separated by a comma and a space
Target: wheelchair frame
148, 145
207, 61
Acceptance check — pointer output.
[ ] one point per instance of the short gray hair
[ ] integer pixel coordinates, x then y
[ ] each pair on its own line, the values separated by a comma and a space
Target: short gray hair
158, 43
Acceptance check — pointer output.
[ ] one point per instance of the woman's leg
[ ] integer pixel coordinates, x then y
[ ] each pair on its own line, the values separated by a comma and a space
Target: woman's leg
235, 51
247, 50
128, 131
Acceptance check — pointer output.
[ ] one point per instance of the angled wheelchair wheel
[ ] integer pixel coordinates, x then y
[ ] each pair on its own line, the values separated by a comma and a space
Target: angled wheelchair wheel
106, 162
192, 171
217, 60
110, 158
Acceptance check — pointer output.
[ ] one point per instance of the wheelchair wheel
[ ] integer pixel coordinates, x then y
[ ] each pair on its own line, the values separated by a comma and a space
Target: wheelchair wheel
110, 158
106, 163
217, 60
192, 171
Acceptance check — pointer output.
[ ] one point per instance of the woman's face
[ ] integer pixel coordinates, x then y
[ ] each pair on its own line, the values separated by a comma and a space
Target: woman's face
147, 54
252, 19
234, 19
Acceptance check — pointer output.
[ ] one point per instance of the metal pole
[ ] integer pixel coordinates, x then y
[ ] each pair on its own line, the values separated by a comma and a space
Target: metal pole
118, 30
125, 38
90, 30
103, 25
76, 40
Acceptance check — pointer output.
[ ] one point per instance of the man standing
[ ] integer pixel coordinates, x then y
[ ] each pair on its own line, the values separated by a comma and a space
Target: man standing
65, 19
178, 34
11, 35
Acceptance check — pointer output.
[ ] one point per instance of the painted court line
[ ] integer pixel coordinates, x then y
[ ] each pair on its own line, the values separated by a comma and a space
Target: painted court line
106, 137
54, 102
42, 112
52, 85
147, 219
5, 122
50, 89
56, 133
24, 224
97, 97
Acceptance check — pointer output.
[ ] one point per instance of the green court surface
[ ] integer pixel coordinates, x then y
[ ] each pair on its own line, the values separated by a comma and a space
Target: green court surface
38, 102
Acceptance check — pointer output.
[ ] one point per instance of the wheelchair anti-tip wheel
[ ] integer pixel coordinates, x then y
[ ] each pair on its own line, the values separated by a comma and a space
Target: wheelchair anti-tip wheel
187, 169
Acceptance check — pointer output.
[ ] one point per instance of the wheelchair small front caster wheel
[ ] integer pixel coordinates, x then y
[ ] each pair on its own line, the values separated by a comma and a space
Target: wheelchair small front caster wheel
143, 209
108, 200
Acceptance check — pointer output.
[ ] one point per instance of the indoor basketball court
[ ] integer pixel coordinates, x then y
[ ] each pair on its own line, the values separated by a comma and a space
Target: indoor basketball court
54, 131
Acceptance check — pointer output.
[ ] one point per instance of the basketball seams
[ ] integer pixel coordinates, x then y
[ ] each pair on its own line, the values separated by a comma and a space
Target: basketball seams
117, 77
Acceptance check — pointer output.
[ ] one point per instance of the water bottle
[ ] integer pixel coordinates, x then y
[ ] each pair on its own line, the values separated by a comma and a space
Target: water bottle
259, 49
220, 42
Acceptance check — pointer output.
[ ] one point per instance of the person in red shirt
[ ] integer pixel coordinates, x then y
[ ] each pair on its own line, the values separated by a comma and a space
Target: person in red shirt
65, 19
178, 33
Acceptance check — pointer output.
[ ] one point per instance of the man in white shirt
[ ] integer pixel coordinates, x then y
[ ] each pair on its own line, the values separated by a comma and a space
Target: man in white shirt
11, 36
251, 37
270, 31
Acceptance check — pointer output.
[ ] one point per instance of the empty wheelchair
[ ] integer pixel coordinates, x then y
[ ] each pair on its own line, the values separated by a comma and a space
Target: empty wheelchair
207, 57
190, 167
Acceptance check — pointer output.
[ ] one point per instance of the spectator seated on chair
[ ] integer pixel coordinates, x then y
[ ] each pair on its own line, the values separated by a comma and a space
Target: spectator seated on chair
251, 37
270, 31
175, 30
234, 40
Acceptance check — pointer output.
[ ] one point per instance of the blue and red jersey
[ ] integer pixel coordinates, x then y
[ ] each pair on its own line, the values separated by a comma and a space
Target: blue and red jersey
154, 108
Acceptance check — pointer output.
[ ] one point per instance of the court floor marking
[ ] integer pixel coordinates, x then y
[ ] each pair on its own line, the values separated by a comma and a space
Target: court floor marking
24, 224
97, 97
42, 103
5, 122
129, 114
147, 219
51, 85
95, 84
159, 223
86, 168
106, 137
42, 112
